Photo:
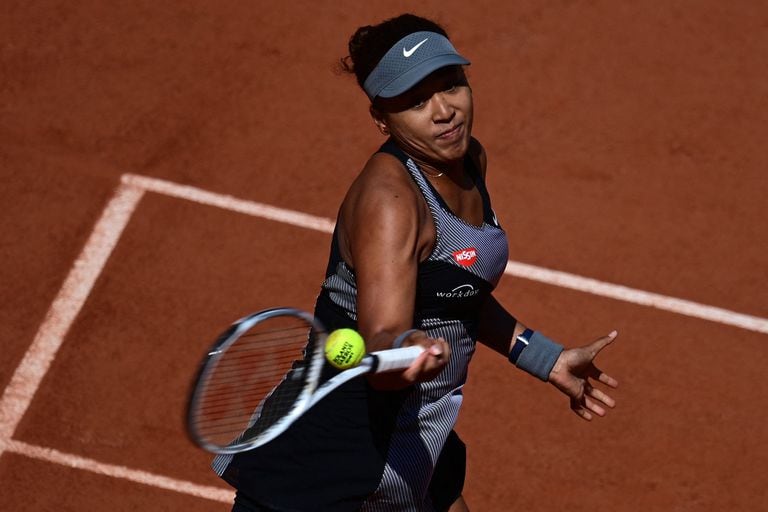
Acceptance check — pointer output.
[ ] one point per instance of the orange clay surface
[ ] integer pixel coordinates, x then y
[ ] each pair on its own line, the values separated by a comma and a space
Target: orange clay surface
626, 143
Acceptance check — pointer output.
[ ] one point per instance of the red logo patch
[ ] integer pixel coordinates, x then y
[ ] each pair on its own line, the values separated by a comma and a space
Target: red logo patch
465, 257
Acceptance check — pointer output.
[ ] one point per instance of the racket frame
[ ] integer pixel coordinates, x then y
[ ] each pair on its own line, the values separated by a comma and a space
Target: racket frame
215, 354
373, 362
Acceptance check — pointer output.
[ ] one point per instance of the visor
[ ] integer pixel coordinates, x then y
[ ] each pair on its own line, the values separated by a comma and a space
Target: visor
408, 62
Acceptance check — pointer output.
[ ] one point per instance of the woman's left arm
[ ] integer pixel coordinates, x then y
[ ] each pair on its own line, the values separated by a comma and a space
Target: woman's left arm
572, 371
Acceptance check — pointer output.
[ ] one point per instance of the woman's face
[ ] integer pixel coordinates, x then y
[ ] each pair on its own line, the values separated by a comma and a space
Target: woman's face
432, 121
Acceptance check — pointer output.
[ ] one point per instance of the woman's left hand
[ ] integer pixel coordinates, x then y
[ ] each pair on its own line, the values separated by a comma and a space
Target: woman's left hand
572, 373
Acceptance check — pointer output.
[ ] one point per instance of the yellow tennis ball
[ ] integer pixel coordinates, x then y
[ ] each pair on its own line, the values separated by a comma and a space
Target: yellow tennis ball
344, 348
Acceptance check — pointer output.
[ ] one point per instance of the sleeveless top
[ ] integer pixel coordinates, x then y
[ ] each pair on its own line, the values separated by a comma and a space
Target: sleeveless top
364, 449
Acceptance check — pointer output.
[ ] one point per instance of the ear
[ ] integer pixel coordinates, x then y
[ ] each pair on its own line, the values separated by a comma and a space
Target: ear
379, 120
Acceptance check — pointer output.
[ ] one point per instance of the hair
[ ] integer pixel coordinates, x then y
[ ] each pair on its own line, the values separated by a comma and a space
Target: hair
368, 44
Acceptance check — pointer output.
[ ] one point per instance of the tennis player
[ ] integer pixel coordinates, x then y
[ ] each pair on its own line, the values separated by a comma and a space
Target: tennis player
416, 246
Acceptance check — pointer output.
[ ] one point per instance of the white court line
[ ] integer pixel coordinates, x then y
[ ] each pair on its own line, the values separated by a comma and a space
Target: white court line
231, 203
24, 383
121, 472
106, 233
514, 268
623, 293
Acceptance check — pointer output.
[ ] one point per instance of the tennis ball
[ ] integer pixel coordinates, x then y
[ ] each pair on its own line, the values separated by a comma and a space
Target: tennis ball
344, 348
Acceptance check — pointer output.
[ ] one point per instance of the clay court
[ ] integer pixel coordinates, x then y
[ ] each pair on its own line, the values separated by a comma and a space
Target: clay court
168, 167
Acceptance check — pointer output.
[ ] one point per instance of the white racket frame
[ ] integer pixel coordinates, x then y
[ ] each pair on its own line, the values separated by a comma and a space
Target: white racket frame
374, 362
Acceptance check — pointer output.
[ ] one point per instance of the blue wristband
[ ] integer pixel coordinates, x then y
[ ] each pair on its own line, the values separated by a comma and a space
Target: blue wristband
400, 339
535, 353
521, 341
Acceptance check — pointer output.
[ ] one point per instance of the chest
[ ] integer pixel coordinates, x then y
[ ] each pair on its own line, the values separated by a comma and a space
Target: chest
462, 200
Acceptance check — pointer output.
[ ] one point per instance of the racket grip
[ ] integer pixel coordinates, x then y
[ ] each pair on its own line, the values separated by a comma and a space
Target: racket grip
396, 359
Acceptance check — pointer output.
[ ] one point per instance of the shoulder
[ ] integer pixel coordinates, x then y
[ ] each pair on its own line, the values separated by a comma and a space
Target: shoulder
385, 180
383, 208
382, 194
476, 152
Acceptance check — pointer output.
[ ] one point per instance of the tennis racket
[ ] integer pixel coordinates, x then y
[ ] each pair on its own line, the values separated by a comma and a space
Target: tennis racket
263, 373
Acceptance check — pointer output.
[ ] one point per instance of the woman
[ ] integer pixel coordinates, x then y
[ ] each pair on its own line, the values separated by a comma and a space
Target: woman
416, 247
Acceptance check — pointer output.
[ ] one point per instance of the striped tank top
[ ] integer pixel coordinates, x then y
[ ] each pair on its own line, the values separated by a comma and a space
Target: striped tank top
371, 450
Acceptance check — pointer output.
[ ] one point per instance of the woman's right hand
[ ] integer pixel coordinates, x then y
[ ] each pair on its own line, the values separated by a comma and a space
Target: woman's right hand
431, 362
426, 367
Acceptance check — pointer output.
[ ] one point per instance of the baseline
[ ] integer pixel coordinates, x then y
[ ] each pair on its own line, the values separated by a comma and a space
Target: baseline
134, 475
514, 268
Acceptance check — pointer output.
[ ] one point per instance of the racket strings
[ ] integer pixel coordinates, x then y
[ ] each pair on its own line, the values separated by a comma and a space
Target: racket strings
255, 382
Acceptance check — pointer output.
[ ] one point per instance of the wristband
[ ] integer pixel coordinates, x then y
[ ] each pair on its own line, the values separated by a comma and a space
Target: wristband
400, 339
521, 341
535, 353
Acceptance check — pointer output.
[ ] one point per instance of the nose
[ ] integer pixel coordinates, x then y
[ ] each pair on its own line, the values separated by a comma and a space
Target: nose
442, 110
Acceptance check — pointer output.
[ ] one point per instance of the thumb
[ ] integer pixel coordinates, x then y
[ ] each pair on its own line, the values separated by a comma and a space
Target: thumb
436, 348
603, 342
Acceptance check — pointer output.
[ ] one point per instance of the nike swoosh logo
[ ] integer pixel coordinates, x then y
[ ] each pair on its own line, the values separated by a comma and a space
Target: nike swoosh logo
408, 53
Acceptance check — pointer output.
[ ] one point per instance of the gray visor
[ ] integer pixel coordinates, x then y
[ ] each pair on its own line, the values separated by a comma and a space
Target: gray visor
408, 62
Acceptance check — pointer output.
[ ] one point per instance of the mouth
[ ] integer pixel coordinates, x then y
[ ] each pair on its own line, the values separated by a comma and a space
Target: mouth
451, 133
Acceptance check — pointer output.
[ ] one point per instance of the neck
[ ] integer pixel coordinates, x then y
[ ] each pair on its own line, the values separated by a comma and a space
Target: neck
455, 173
454, 169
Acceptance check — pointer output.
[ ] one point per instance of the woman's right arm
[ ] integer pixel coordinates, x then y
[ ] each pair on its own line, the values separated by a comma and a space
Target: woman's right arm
382, 229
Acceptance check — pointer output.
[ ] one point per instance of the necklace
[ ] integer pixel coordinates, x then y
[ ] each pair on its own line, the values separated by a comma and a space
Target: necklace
431, 175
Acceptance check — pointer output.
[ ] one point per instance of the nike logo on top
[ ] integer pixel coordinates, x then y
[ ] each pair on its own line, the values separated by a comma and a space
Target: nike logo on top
408, 53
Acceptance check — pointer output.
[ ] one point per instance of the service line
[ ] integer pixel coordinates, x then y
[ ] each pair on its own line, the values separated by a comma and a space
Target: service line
231, 203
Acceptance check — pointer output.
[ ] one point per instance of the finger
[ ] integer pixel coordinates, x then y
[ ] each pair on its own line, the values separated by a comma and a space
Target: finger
435, 350
430, 362
439, 347
580, 410
601, 396
417, 366
439, 354
594, 406
598, 375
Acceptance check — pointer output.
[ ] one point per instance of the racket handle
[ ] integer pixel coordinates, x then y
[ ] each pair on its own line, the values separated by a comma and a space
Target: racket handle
396, 358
